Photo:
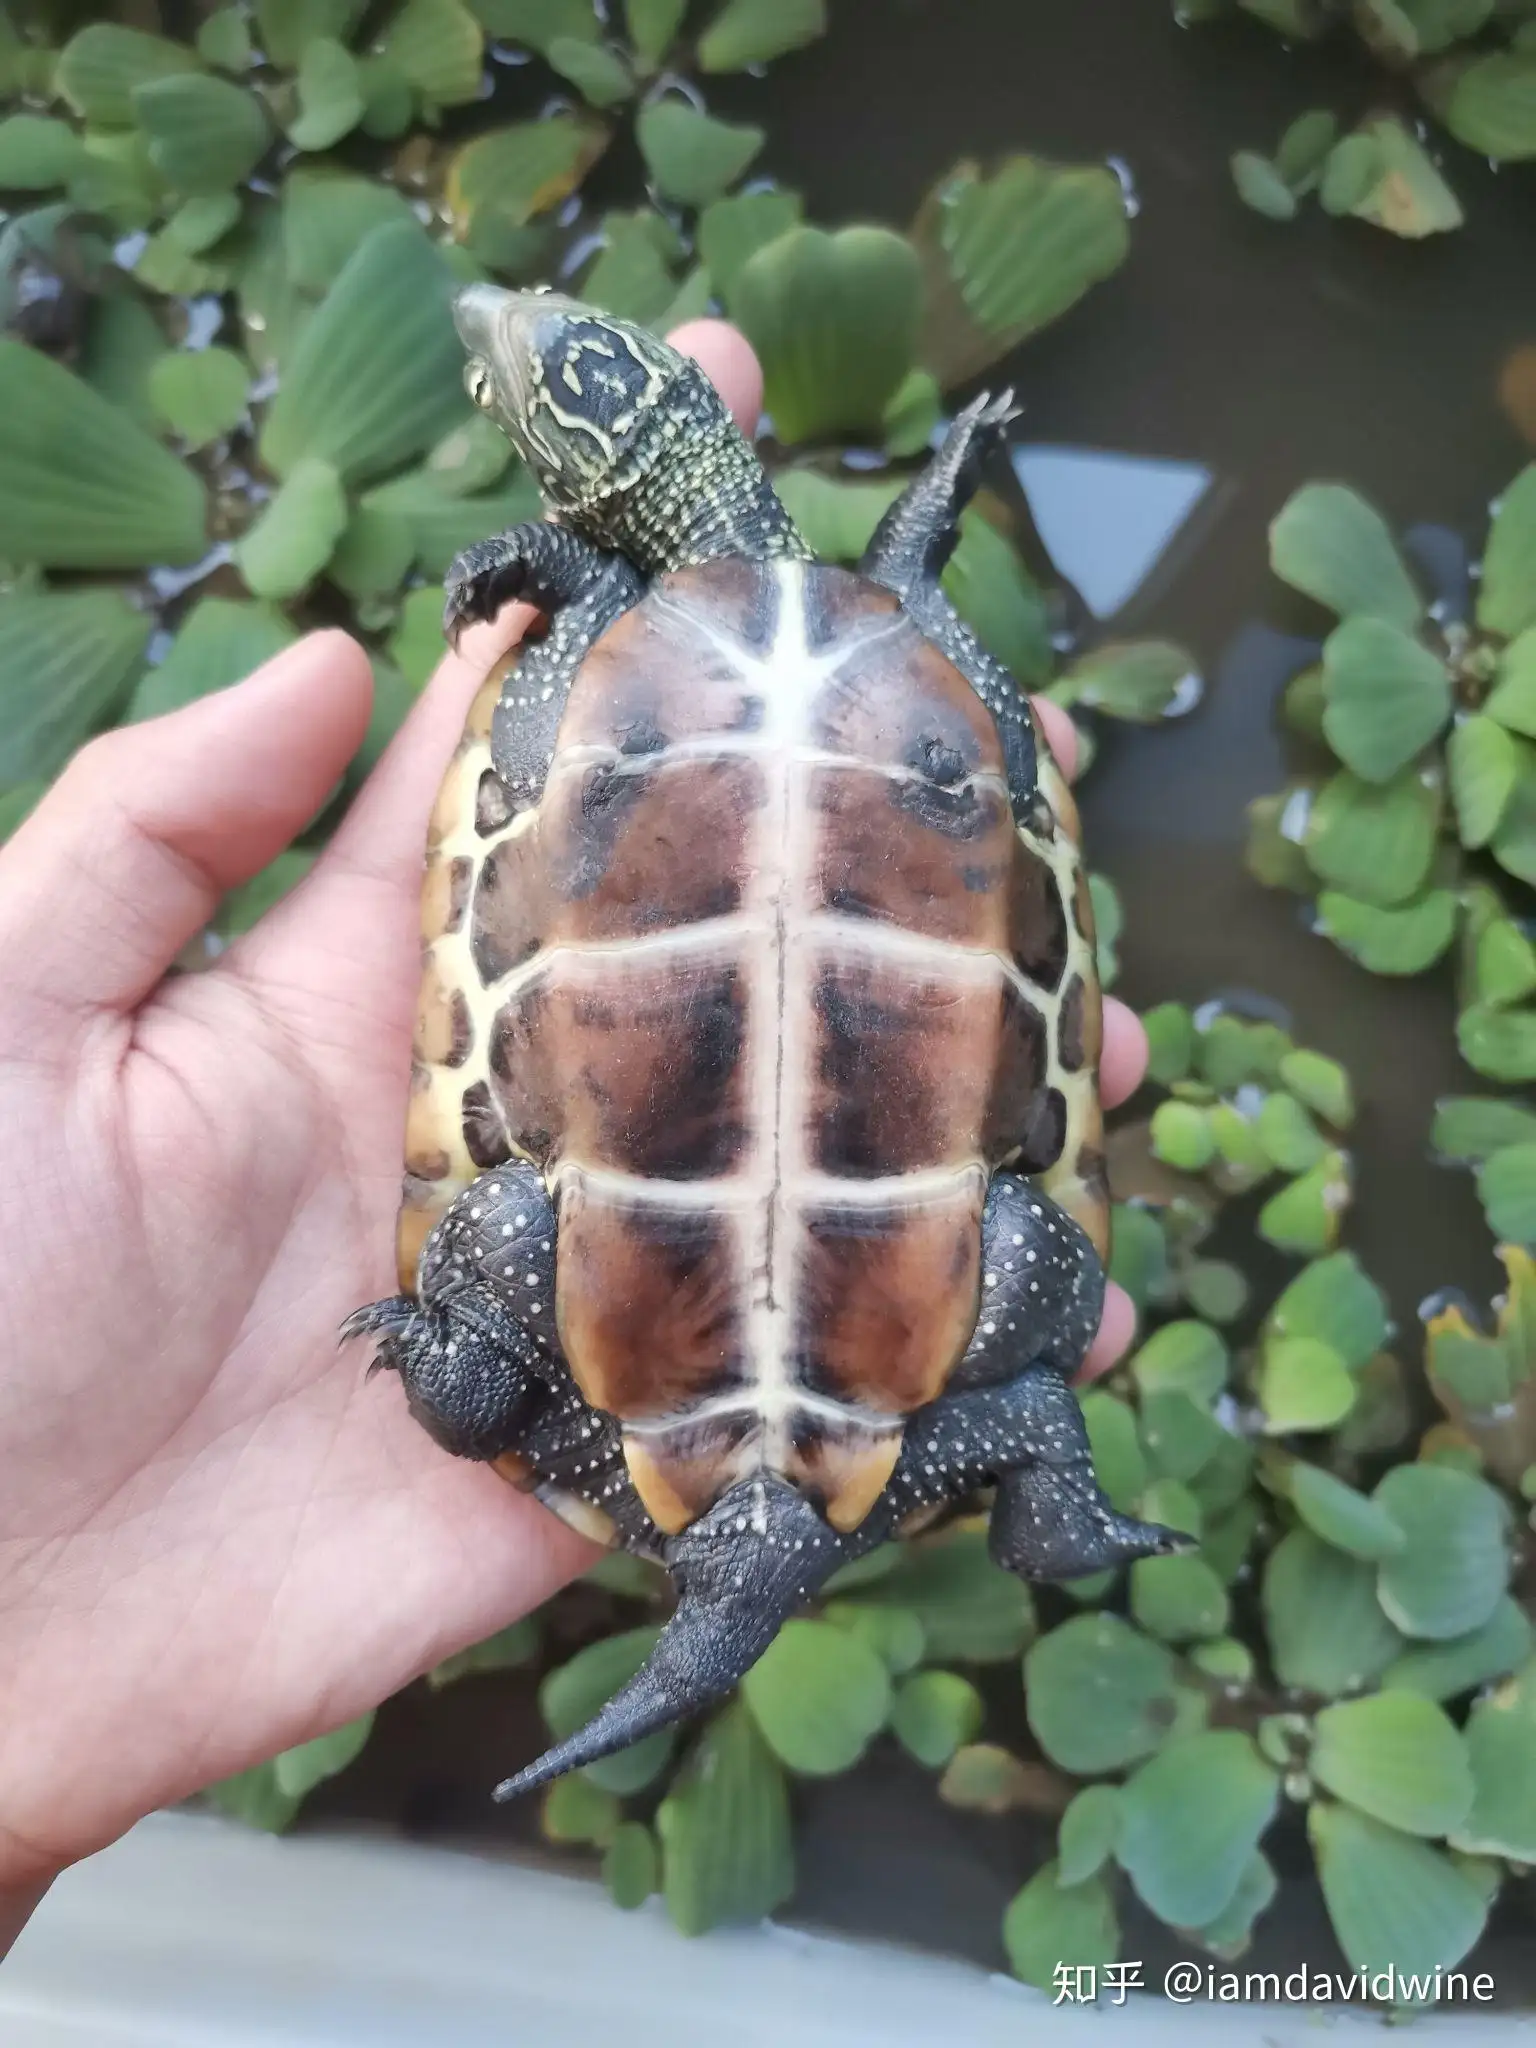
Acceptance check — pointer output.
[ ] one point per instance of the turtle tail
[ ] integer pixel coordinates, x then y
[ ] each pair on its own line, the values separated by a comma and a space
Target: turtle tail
740, 1571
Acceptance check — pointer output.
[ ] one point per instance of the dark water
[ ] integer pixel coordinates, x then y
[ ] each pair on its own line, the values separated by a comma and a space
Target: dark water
1229, 361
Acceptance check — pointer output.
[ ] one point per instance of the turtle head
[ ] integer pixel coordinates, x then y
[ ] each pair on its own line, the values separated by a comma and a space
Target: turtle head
580, 394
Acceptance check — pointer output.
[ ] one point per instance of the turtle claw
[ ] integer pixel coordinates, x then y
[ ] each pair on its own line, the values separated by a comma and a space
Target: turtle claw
479, 582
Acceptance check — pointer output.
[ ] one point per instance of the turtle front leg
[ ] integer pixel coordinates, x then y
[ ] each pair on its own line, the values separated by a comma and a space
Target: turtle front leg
1008, 1414
907, 554
476, 1348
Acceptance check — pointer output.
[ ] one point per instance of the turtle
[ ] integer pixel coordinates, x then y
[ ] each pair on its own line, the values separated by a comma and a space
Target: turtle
754, 1209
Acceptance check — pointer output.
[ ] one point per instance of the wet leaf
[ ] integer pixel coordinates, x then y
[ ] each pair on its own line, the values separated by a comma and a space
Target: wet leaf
298, 1771
1395, 1756
36, 153
198, 223
122, 345
508, 1648
1288, 1134
1468, 1371
834, 320
1387, 696
818, 1694
1472, 1127
1350, 173
1498, 1043
998, 598
895, 1634
576, 1810
727, 1851
1347, 1520
1482, 765
933, 1713
1501, 1743
1375, 841
573, 1693
1444, 1670
982, 1778
1406, 194
631, 1866
330, 96
971, 1610
747, 32
1403, 940
374, 378
837, 519
1181, 1435
732, 230
1395, 1903
1099, 1694
205, 133
325, 215
1303, 1385
218, 643
597, 71
692, 157
286, 26
1273, 855
1454, 1566
82, 485
1492, 106
224, 41
1506, 597
1321, 1083
1330, 544
101, 66
1261, 186
1006, 255
502, 180
1089, 1830
1512, 701
1514, 840
1140, 680
67, 660
1178, 1599
1506, 1186
1138, 1254
1215, 1289
440, 522
388, 102
1050, 1926
653, 26
435, 46
296, 532
1190, 1819
1170, 1041
200, 394
1327, 1633
1303, 148
1304, 1215
1114, 1442
1182, 1357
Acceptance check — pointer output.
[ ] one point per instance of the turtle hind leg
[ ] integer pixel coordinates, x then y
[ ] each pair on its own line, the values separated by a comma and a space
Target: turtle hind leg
581, 588
907, 554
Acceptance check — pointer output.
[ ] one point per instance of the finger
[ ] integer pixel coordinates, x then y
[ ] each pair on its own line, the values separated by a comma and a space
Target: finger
727, 356
127, 856
1060, 733
1123, 1062
1115, 1333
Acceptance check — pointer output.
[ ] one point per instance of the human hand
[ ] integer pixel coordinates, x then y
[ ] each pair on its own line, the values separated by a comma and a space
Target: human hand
216, 1538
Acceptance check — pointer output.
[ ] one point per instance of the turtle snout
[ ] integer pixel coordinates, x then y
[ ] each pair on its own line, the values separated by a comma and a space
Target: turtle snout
477, 313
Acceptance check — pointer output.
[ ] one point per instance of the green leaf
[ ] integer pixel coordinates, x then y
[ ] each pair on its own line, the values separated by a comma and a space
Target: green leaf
1303, 148
1406, 194
1395, 1756
575, 1810
1303, 1385
1261, 186
1178, 1599
1089, 1831
1327, 1633
1503, 967
1443, 1671
1304, 1215
596, 70
1506, 597
1051, 1926
325, 215
972, 1611
1375, 841
1395, 1903
727, 1851
571, 1695
1273, 856
1139, 680
1288, 1134
200, 394
1182, 1436
1498, 1043
653, 26
416, 644
286, 26
1330, 544
1216, 1289
631, 1866
732, 230
1492, 106
912, 415
299, 1771
436, 46
747, 32
101, 66
205, 134
933, 1713
122, 345
219, 643
253, 1798
1506, 1186
1512, 702
819, 1695
82, 485
1170, 1033
1501, 1743
1472, 1127
1387, 696
1099, 1694
37, 154
440, 522
1404, 940
1351, 173
834, 320
1183, 1357
835, 518
1466, 1369
1514, 840
1190, 1819
330, 96
1006, 255
1482, 766
224, 41
198, 223
983, 1778
1114, 1441
374, 378
502, 180
998, 598
630, 276
1342, 1517
893, 1633
296, 532
509, 1647
67, 660
692, 158
1454, 1567
389, 105
1138, 1254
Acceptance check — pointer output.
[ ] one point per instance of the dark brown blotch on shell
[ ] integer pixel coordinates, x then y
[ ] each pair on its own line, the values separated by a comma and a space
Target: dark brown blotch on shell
841, 1466
882, 859
1081, 1026
1038, 938
508, 915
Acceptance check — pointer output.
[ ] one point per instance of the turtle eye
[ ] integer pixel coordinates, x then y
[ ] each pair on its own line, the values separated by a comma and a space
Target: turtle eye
479, 383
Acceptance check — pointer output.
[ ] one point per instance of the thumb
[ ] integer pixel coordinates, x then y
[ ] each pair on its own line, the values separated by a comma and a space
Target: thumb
127, 856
